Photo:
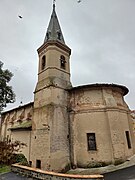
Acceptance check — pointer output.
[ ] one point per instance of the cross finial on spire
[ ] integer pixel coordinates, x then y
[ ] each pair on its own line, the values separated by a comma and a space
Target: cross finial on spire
54, 2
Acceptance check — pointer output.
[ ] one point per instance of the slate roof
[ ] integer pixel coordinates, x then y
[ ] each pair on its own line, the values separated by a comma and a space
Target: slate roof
54, 31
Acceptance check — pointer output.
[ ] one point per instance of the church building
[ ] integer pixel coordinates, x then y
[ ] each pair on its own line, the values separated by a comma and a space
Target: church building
68, 127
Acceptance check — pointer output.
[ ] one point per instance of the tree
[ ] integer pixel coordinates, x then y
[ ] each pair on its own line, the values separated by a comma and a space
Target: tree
6, 93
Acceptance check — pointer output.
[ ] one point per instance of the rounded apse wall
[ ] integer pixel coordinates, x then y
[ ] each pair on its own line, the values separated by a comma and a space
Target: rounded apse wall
99, 122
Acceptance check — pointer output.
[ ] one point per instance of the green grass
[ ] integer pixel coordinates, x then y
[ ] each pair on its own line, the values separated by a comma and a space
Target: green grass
4, 168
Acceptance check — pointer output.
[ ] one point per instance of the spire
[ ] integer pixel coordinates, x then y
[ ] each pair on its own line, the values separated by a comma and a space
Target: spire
54, 31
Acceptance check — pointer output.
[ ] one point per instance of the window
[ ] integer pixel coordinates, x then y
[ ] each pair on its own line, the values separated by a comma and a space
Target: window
38, 164
7, 137
43, 63
47, 35
30, 163
63, 62
59, 35
91, 140
128, 139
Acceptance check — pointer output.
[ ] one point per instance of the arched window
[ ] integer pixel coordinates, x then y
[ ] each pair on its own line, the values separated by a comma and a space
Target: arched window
43, 63
62, 62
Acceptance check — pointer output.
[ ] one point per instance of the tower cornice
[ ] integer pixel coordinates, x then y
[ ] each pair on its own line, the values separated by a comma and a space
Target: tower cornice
52, 43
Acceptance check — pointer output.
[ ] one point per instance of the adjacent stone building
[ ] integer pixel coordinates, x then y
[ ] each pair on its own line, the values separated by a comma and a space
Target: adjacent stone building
133, 120
69, 126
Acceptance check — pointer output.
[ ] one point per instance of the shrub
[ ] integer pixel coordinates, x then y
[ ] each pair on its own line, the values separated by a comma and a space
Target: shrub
8, 149
21, 159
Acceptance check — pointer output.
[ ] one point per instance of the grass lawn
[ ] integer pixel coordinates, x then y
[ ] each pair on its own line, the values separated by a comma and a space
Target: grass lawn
4, 168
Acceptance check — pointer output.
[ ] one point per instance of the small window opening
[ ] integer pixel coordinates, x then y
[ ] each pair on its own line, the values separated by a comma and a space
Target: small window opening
128, 139
7, 137
59, 35
30, 163
91, 140
43, 63
38, 164
63, 62
47, 35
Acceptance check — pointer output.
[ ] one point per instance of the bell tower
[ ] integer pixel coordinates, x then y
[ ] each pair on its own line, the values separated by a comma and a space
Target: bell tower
50, 132
54, 65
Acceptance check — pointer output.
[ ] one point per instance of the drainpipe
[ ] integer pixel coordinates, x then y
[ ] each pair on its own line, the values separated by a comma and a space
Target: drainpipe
30, 145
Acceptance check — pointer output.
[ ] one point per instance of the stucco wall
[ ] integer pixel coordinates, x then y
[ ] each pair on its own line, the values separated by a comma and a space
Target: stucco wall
53, 74
50, 126
13, 126
91, 123
103, 111
24, 137
15, 117
118, 121
40, 148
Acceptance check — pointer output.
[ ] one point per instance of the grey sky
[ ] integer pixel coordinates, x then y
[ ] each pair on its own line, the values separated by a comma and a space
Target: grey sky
101, 34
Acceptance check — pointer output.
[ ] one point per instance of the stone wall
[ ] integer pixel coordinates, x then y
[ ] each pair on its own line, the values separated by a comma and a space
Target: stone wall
40, 174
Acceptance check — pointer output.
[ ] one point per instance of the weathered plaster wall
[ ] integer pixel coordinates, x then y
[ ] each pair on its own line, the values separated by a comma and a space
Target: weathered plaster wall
24, 137
50, 122
40, 148
15, 118
94, 122
16, 125
103, 111
118, 121
53, 74
131, 117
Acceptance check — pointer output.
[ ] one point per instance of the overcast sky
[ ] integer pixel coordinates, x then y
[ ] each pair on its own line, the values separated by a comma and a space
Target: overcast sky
101, 34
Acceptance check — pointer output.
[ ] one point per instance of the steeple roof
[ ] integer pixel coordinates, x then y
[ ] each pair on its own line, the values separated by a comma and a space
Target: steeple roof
54, 31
